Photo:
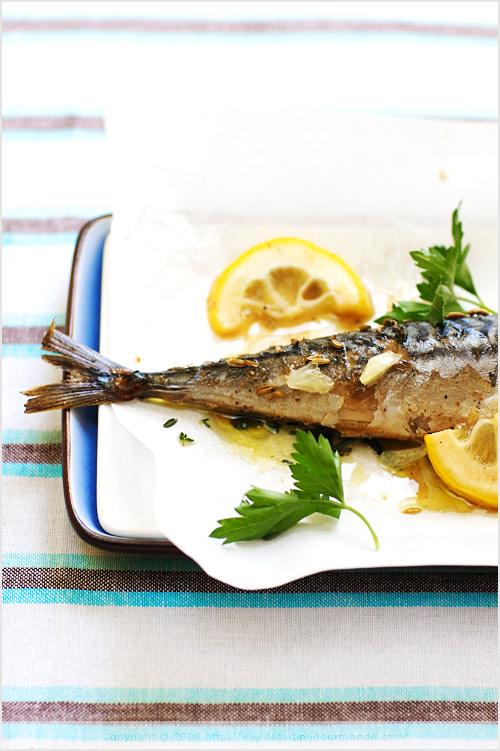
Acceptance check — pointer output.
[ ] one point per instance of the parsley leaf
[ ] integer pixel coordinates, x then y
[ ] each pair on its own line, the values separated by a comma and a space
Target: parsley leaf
317, 468
442, 270
264, 514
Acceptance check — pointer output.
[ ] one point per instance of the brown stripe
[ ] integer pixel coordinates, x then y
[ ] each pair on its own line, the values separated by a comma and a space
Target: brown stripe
45, 226
331, 712
25, 334
32, 453
88, 123
53, 123
381, 580
247, 27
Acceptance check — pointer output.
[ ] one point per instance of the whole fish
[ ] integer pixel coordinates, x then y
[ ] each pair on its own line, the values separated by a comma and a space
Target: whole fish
400, 380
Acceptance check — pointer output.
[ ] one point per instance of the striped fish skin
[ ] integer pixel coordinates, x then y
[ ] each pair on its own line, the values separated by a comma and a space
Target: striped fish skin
446, 376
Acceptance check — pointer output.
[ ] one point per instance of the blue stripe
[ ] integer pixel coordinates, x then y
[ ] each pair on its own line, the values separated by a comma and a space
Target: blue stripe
36, 238
207, 37
16, 469
248, 695
21, 350
32, 319
52, 136
31, 436
100, 562
250, 733
252, 599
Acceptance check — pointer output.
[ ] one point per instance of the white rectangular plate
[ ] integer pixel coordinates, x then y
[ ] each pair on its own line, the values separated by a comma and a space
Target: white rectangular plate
370, 190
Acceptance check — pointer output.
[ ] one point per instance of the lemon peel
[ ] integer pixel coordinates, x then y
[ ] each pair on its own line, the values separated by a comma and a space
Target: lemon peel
467, 462
284, 282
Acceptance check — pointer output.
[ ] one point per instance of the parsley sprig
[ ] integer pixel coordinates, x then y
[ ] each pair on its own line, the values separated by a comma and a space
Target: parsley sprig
443, 269
264, 514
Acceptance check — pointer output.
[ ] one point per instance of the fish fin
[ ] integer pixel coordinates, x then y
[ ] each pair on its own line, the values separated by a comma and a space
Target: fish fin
71, 355
89, 379
66, 394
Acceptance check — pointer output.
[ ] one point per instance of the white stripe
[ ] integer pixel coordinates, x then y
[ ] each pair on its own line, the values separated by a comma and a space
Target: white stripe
393, 74
442, 12
415, 743
19, 375
55, 178
35, 517
235, 647
409, 743
35, 280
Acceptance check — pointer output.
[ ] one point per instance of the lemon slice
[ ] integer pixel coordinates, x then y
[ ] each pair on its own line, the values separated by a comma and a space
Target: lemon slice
468, 462
283, 282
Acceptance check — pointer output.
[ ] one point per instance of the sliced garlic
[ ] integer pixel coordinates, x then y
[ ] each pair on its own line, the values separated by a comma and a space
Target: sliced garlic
377, 366
309, 378
401, 458
279, 381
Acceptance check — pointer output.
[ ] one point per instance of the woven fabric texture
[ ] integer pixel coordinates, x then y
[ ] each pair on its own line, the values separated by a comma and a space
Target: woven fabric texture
105, 650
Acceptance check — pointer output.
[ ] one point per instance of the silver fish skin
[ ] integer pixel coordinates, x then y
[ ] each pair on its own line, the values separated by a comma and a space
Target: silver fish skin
446, 376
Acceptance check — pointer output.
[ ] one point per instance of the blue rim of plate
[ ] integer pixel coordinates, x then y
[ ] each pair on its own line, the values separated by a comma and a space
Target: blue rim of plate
80, 425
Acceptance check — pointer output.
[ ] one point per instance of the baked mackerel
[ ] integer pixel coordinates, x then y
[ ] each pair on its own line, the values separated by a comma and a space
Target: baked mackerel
436, 378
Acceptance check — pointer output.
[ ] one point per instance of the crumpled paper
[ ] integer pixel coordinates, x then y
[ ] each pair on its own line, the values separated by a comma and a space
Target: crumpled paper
192, 191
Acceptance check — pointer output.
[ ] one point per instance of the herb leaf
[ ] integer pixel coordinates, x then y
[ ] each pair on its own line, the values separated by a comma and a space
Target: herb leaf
407, 309
442, 270
185, 440
317, 468
264, 514
442, 304
170, 422
264, 518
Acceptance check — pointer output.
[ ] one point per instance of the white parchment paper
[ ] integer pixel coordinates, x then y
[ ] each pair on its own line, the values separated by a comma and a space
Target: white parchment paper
195, 189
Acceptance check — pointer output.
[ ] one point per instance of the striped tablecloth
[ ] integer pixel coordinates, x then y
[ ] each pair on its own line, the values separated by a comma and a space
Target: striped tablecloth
104, 650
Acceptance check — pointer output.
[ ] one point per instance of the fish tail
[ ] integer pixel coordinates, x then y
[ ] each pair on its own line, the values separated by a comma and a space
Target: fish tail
89, 378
